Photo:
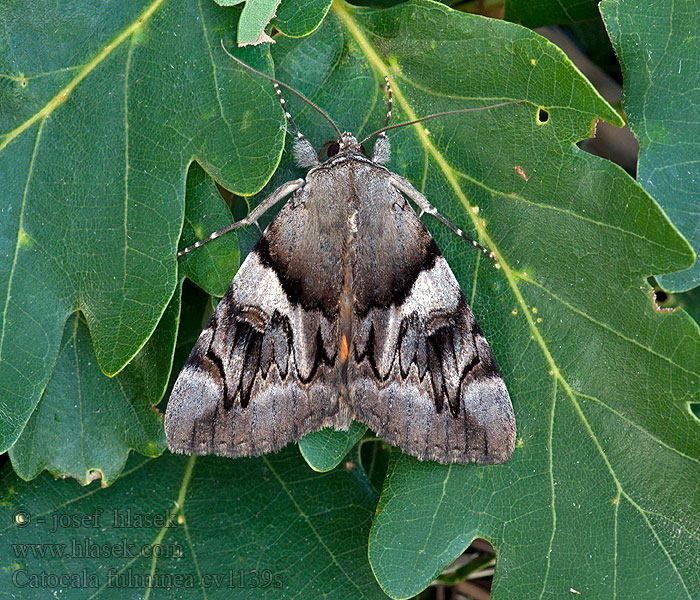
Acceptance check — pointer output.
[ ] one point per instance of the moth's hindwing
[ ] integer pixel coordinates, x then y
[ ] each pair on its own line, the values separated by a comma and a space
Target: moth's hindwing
421, 373
263, 372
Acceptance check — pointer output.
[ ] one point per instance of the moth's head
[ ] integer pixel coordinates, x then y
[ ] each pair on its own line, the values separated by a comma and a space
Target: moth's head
345, 145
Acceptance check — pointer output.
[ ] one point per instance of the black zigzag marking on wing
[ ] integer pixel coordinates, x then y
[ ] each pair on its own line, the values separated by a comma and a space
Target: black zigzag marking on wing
218, 363
320, 358
434, 354
248, 342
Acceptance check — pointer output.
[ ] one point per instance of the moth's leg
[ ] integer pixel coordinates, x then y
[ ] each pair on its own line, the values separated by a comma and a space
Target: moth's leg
279, 194
404, 185
390, 101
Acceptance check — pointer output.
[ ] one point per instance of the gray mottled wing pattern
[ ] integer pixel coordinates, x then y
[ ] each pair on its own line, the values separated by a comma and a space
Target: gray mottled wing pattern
420, 374
345, 309
263, 372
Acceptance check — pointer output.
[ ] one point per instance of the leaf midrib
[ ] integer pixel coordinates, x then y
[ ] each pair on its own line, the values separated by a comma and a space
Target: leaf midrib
63, 94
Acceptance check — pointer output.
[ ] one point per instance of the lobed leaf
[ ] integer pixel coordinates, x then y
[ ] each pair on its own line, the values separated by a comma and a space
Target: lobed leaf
104, 106
86, 423
657, 46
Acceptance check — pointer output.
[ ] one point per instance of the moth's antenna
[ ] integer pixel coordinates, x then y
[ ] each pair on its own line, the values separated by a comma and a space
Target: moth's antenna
286, 87
435, 116
286, 112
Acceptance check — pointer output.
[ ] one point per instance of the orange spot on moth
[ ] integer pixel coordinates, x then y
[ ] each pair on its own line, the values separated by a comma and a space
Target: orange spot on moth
343, 348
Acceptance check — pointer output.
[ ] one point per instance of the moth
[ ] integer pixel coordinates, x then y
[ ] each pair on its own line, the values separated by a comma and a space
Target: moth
345, 309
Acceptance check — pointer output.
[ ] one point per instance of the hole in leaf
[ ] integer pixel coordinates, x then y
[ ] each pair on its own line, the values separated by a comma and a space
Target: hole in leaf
662, 300
471, 574
542, 116
695, 409
94, 474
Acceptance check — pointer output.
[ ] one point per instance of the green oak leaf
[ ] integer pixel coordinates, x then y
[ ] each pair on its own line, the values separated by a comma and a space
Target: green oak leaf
297, 18
657, 46
102, 108
538, 13
600, 381
193, 527
324, 449
85, 422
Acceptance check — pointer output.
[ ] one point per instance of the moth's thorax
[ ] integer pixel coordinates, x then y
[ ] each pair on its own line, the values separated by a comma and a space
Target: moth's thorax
353, 159
346, 182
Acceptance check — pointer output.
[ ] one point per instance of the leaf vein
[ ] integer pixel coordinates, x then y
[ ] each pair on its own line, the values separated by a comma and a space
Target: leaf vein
20, 232
606, 326
310, 524
550, 455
